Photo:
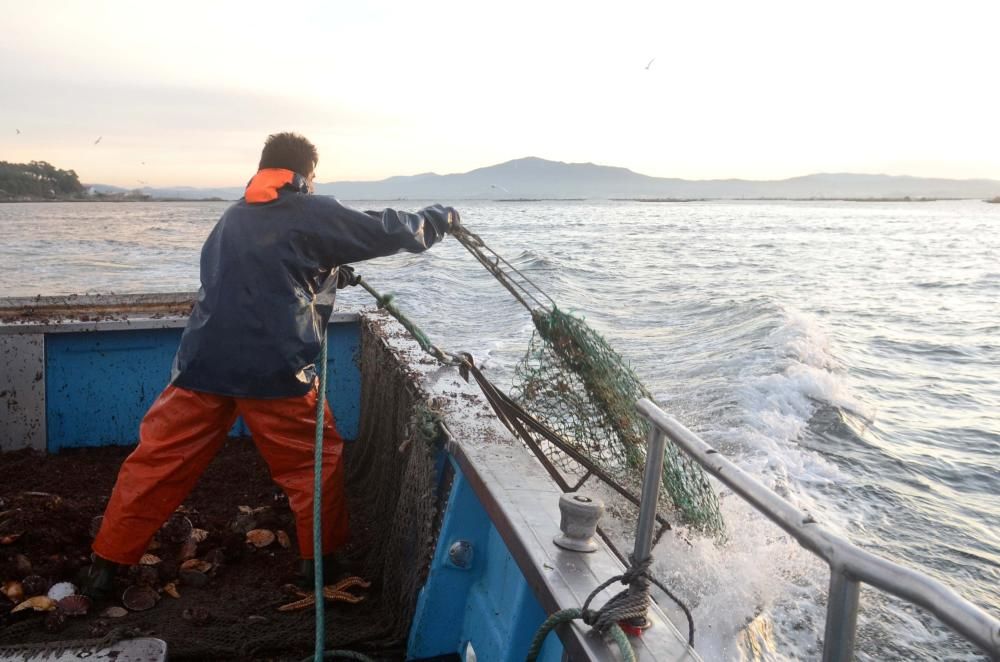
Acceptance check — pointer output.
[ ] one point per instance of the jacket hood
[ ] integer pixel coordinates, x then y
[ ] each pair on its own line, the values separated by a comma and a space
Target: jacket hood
264, 186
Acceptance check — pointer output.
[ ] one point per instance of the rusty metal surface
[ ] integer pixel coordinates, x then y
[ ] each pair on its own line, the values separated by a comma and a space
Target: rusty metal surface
93, 307
22, 392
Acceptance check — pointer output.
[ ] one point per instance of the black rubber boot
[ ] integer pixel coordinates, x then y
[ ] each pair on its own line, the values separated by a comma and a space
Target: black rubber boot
99, 579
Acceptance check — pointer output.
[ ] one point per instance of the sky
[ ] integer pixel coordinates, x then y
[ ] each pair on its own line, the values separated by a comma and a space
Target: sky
184, 93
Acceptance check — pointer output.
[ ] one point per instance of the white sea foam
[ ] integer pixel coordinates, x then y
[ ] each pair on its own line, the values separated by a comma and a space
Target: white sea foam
782, 385
757, 594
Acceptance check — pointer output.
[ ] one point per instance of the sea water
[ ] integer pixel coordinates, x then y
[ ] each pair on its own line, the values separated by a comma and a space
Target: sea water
847, 354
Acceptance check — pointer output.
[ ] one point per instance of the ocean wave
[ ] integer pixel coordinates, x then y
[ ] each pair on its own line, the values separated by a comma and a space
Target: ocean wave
941, 285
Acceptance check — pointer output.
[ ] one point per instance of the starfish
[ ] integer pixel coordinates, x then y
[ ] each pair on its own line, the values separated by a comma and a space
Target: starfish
335, 593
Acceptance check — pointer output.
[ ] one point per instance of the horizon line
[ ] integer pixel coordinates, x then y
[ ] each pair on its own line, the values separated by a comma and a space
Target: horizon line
575, 163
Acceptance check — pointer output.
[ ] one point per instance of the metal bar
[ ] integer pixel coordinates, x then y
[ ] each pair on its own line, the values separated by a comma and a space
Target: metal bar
582, 480
475, 245
651, 479
841, 618
965, 618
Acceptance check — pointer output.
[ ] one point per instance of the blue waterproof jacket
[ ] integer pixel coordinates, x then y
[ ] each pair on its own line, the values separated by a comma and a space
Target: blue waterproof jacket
268, 280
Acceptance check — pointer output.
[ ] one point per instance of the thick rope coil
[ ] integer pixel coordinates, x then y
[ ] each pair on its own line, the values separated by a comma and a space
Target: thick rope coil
567, 615
626, 605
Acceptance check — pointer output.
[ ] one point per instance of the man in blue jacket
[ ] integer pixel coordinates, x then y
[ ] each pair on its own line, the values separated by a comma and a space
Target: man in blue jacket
269, 273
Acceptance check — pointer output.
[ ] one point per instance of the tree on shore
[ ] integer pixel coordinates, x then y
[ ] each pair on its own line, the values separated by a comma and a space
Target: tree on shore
37, 179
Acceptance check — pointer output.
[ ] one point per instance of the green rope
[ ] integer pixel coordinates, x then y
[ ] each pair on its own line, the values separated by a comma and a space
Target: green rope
318, 507
319, 654
566, 616
386, 301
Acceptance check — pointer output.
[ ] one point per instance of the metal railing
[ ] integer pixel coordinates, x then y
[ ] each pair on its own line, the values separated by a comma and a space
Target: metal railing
850, 566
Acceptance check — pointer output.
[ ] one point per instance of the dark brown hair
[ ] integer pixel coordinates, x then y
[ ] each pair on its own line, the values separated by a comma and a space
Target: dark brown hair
289, 151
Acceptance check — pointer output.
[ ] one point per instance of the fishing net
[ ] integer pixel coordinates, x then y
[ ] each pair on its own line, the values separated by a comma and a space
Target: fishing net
578, 385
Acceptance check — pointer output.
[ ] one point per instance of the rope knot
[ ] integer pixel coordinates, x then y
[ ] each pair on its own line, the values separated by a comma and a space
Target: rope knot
634, 573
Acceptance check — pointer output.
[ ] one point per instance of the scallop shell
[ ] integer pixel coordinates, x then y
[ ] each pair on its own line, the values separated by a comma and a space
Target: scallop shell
196, 564
75, 605
171, 590
140, 598
114, 612
283, 539
260, 537
38, 603
150, 559
199, 535
61, 590
14, 591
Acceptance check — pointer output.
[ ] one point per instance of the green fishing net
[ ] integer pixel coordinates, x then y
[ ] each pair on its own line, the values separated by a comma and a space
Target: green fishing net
577, 384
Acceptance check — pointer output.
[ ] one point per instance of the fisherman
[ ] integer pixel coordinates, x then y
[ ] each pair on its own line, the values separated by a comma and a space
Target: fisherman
269, 272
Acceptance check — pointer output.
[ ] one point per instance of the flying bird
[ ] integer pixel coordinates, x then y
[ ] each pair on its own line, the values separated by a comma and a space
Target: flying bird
499, 187
649, 64
18, 131
98, 139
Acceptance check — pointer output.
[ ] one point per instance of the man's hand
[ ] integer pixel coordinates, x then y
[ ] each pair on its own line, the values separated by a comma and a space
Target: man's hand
346, 276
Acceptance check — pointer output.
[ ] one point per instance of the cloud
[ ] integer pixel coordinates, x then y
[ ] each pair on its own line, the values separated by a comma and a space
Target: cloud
129, 107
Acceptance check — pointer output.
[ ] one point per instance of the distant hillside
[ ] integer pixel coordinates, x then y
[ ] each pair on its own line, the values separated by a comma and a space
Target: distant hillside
172, 193
538, 178
37, 180
531, 178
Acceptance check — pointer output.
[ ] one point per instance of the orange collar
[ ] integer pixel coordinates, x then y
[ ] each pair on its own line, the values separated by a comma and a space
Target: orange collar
267, 182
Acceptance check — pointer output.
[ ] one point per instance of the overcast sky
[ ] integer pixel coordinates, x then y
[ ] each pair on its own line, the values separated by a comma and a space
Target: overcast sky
185, 92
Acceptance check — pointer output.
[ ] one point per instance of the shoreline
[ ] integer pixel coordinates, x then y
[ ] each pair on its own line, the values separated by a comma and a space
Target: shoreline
89, 200
422, 199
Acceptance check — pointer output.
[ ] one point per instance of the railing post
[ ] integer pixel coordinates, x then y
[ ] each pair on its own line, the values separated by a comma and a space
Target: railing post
841, 617
651, 480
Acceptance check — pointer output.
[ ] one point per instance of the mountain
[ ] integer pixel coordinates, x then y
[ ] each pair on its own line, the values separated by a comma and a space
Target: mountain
539, 178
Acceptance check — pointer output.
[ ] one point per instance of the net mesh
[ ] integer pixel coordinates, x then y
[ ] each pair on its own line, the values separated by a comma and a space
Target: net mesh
576, 383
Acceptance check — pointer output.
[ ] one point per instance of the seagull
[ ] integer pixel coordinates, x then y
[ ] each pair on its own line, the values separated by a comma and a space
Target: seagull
499, 187
98, 139
18, 131
650, 63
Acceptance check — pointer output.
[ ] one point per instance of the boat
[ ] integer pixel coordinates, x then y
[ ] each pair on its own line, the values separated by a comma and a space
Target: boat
467, 518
